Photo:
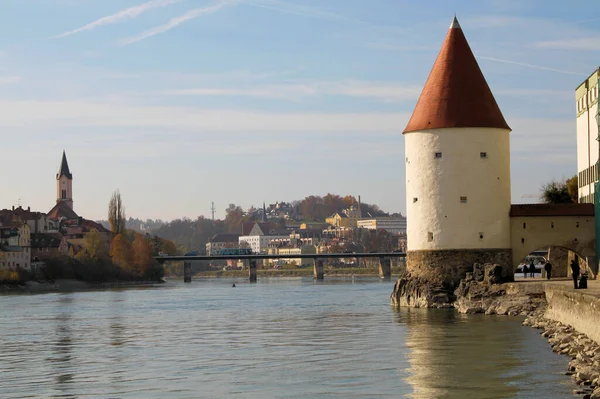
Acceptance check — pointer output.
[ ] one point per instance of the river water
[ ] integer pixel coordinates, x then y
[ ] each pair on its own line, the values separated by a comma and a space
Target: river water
279, 338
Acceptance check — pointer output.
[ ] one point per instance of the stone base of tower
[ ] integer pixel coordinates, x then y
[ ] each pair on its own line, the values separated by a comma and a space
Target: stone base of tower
432, 276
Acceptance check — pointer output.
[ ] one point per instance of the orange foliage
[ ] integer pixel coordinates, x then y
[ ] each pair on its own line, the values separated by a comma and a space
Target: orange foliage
120, 252
142, 253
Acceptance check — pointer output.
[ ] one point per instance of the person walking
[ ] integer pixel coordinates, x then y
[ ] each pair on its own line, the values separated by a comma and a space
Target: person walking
531, 270
575, 271
548, 269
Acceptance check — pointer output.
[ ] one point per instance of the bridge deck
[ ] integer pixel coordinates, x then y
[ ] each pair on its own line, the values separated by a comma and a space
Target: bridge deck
265, 256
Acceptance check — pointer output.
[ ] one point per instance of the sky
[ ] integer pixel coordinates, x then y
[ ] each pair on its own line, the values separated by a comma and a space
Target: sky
179, 103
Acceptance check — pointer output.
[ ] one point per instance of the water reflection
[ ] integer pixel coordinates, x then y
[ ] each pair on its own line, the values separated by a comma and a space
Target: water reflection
62, 358
452, 355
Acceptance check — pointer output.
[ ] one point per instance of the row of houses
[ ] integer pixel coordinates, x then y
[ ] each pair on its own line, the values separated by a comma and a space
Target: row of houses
338, 232
27, 238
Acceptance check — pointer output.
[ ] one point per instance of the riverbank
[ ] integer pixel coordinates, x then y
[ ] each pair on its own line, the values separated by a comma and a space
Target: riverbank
68, 285
568, 318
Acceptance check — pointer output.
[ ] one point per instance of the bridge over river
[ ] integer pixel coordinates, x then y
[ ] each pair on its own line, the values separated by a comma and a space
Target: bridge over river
385, 269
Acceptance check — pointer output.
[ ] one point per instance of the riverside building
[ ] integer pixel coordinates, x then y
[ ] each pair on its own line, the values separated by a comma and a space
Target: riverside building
588, 136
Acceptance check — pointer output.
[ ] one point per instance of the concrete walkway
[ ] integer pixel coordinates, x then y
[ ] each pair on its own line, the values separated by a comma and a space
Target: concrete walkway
566, 283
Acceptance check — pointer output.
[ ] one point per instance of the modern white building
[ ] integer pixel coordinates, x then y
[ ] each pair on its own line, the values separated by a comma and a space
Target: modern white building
260, 243
457, 168
588, 134
392, 224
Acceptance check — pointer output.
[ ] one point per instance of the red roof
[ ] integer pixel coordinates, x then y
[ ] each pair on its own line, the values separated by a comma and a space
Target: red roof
552, 210
456, 93
62, 209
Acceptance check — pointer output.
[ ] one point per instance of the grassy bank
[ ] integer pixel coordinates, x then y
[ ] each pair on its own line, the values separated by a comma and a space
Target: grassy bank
300, 272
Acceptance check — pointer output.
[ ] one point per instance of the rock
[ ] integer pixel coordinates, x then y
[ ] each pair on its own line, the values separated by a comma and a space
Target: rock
416, 292
478, 272
493, 274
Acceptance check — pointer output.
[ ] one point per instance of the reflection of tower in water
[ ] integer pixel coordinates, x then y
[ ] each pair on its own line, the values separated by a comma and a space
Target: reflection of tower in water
460, 356
62, 361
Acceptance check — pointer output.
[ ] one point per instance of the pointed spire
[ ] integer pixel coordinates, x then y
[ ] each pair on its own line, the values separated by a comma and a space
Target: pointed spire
264, 213
455, 24
64, 168
456, 93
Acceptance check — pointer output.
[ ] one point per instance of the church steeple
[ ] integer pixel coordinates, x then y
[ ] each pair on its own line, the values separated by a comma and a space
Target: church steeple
64, 168
64, 183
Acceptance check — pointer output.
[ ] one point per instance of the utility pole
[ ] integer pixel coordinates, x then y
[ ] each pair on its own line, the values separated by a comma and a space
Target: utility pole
212, 208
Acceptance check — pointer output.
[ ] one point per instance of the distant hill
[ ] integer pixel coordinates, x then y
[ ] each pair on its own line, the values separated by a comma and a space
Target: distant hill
193, 234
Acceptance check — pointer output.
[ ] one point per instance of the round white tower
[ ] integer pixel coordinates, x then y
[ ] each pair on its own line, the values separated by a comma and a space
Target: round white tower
457, 170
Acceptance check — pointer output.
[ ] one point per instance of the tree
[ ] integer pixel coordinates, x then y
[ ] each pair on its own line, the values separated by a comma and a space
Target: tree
142, 254
116, 213
573, 188
95, 248
556, 193
233, 218
120, 251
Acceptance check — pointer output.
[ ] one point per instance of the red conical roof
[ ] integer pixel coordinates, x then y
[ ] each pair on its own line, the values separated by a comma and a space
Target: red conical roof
456, 93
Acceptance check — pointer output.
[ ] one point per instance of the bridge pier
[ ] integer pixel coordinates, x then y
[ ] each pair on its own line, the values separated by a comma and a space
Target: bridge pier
385, 268
318, 269
252, 268
187, 271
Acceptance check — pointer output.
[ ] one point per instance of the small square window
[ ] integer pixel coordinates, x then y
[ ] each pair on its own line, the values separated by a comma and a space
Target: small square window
463, 200
483, 154
438, 154
415, 200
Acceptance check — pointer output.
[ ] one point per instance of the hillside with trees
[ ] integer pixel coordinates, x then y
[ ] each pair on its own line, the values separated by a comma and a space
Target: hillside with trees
193, 234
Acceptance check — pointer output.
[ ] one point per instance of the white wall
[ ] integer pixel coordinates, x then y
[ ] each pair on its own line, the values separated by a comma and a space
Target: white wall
438, 184
587, 144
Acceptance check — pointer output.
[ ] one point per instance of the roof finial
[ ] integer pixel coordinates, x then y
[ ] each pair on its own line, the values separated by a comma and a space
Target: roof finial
455, 24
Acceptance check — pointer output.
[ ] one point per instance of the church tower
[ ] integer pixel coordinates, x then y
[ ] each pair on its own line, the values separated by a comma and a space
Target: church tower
64, 183
457, 171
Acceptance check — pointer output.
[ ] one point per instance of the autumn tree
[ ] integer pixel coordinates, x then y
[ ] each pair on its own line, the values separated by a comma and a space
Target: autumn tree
120, 252
116, 213
95, 248
141, 254
573, 188
233, 218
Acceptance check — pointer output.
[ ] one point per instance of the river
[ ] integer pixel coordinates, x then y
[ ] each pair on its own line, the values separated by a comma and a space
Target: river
279, 338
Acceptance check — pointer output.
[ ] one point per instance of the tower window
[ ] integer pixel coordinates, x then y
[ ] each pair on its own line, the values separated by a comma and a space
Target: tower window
430, 236
415, 199
524, 225
483, 154
481, 236
463, 200
552, 224
438, 154
64, 194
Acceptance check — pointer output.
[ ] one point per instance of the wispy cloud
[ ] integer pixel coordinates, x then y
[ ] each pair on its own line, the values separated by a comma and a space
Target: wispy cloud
378, 90
9, 80
294, 9
540, 67
580, 44
128, 13
38, 115
174, 22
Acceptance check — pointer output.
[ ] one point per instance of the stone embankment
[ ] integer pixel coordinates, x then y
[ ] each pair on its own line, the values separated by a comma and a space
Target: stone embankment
584, 352
570, 320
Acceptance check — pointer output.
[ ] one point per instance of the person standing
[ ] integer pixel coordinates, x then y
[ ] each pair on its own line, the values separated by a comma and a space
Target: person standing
575, 271
525, 270
548, 269
532, 270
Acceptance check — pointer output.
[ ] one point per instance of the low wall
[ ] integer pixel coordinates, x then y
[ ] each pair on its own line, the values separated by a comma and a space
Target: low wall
575, 308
